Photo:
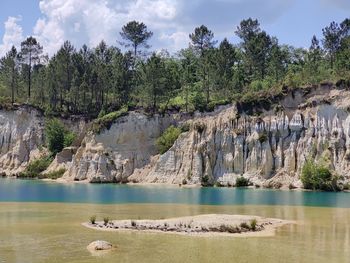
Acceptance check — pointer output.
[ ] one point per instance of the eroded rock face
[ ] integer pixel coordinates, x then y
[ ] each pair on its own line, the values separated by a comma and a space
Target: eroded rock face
269, 148
21, 137
115, 154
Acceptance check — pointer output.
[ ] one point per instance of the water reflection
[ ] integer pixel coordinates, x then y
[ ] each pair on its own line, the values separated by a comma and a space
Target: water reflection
38, 191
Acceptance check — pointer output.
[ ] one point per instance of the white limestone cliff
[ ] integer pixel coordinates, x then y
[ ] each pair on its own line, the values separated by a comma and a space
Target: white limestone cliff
269, 148
22, 137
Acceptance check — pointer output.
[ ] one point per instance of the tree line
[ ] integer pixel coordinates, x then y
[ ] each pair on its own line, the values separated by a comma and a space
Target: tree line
95, 81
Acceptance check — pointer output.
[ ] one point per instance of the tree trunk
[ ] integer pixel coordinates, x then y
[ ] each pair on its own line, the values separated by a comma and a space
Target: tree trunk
29, 73
13, 86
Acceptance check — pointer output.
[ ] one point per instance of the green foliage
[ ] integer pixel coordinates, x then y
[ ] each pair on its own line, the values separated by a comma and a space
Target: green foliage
106, 121
106, 220
185, 127
253, 224
57, 137
97, 82
242, 182
93, 219
202, 38
198, 101
317, 177
69, 138
36, 167
136, 34
54, 175
167, 139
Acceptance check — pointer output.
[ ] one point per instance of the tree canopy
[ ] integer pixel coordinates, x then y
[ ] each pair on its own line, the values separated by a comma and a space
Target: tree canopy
136, 35
103, 79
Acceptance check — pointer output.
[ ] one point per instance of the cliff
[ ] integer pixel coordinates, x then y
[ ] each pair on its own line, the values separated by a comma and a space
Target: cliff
22, 137
266, 143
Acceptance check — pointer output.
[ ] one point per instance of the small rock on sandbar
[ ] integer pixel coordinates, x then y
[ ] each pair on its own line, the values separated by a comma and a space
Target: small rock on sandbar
99, 245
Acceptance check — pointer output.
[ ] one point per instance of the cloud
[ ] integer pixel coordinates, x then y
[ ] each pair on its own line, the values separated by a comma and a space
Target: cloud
90, 21
13, 35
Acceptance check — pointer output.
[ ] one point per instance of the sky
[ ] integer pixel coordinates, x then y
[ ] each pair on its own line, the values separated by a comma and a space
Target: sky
88, 22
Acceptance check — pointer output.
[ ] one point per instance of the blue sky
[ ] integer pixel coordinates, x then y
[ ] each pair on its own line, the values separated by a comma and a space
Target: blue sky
89, 21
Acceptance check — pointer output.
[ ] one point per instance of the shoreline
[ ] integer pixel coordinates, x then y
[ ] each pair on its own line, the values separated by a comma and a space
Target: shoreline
208, 225
175, 186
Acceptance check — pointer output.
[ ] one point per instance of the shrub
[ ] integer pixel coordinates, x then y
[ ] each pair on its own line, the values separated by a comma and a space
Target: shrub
133, 223
242, 182
185, 127
54, 130
57, 136
93, 219
106, 220
199, 102
263, 137
318, 177
205, 180
213, 104
36, 167
228, 229
105, 121
167, 139
54, 175
256, 85
69, 138
244, 225
253, 224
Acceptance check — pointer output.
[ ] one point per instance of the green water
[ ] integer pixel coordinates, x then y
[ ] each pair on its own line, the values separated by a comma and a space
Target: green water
41, 222
42, 232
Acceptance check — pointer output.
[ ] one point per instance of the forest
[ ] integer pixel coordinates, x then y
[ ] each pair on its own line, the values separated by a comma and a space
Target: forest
96, 81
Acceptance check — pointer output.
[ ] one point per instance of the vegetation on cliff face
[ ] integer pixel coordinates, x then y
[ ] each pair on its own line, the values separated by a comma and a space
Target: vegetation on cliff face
36, 167
207, 73
167, 139
318, 177
57, 136
104, 121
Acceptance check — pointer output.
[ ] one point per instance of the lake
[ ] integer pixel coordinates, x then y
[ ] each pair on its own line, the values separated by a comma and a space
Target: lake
41, 222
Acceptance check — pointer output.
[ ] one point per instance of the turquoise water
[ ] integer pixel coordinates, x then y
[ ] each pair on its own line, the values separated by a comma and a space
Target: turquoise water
39, 191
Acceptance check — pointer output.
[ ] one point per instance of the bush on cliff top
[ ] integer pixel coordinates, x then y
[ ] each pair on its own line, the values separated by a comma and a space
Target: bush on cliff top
106, 121
168, 138
318, 177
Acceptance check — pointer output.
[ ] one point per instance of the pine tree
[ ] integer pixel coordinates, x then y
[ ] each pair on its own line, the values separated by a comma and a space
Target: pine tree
30, 54
9, 70
136, 34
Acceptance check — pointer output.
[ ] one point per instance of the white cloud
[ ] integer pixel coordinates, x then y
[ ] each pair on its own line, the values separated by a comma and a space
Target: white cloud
90, 21
13, 35
175, 41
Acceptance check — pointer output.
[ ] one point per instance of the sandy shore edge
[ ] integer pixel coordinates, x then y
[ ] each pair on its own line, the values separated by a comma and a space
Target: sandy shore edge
211, 225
